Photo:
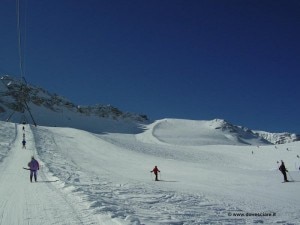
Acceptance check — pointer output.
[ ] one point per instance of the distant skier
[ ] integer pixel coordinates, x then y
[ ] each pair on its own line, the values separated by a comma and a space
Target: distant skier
23, 128
33, 167
155, 171
24, 143
283, 171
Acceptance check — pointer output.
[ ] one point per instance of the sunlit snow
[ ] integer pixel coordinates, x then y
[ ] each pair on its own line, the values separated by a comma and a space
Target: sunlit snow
89, 178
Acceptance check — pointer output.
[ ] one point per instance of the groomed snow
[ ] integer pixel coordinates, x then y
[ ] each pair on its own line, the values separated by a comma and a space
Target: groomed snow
88, 178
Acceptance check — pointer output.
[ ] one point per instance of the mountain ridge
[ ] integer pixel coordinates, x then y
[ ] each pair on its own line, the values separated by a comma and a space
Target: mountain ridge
54, 110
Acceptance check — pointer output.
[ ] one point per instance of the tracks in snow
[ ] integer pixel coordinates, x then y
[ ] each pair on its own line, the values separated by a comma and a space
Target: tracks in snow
28, 203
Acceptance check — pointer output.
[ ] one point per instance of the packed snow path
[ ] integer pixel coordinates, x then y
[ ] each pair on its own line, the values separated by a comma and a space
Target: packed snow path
28, 203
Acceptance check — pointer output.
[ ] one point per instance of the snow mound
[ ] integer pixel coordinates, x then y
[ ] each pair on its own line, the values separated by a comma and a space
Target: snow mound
197, 133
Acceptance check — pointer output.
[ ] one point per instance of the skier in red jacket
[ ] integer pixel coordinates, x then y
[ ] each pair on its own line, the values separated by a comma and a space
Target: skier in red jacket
155, 170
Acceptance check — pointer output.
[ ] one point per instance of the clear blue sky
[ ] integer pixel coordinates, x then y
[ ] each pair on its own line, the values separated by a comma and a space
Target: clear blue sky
193, 59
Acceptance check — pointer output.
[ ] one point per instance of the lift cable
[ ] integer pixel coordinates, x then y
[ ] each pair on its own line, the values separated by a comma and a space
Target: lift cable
21, 49
20, 41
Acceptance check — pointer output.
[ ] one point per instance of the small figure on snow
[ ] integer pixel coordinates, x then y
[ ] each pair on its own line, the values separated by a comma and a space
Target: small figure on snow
24, 143
283, 171
23, 128
33, 167
155, 171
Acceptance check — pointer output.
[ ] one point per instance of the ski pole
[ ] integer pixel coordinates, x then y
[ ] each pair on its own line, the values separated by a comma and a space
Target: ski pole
290, 176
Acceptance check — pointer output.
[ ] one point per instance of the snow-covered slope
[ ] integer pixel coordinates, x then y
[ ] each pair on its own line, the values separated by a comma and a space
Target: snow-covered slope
53, 110
88, 178
190, 132
278, 138
23, 202
95, 164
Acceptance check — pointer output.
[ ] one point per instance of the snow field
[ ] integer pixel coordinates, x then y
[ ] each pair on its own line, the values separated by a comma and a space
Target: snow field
91, 178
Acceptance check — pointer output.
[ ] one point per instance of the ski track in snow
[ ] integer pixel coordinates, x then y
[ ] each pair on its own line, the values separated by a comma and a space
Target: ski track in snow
23, 202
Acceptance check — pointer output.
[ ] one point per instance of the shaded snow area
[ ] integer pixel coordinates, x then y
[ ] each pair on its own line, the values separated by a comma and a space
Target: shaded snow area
207, 177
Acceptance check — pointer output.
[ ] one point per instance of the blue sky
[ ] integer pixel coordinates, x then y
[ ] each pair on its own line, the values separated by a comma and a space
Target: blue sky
196, 59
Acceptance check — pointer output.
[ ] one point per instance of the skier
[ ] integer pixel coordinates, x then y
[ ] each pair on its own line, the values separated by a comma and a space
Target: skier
155, 170
34, 167
283, 171
24, 143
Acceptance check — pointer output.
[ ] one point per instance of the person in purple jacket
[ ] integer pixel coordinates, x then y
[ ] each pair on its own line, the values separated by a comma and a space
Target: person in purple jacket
34, 167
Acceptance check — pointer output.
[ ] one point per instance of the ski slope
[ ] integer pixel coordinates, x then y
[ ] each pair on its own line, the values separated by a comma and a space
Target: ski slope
37, 203
88, 178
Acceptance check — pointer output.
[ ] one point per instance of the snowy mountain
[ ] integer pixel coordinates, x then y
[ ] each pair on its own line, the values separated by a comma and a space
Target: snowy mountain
53, 110
95, 165
278, 138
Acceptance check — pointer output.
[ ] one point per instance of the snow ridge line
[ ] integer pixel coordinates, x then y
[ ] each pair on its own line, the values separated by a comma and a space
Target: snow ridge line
156, 126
